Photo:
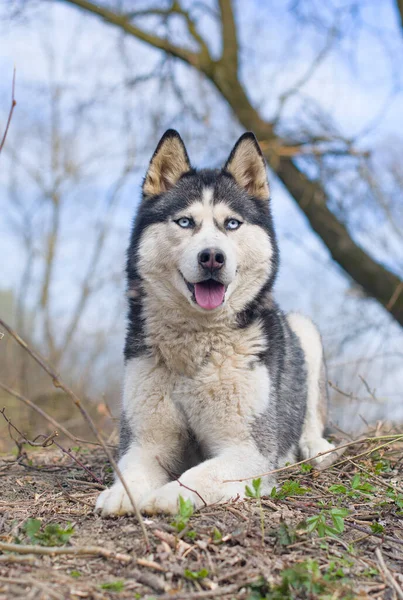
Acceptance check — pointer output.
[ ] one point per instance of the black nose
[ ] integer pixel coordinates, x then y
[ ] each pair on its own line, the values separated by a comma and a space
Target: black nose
211, 258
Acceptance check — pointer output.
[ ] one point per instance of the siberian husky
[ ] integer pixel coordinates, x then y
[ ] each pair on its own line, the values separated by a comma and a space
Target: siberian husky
219, 384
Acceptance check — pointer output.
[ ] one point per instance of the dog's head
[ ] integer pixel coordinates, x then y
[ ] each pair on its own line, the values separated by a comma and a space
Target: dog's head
205, 236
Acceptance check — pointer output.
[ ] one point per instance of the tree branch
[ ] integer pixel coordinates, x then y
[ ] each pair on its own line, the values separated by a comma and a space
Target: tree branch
10, 114
121, 21
377, 281
229, 35
399, 6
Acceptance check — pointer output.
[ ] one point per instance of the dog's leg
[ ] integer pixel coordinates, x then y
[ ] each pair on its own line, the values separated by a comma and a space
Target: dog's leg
312, 441
204, 484
152, 435
227, 408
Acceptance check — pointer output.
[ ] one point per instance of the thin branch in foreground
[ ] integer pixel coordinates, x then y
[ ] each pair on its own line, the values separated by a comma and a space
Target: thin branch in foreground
49, 418
390, 438
45, 443
41, 412
388, 575
58, 383
10, 114
175, 478
57, 550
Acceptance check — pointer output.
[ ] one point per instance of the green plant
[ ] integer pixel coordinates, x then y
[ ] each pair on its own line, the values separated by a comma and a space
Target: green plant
358, 486
319, 522
191, 534
113, 586
396, 498
377, 527
284, 534
289, 488
217, 535
306, 468
302, 581
50, 535
195, 575
184, 513
75, 574
256, 492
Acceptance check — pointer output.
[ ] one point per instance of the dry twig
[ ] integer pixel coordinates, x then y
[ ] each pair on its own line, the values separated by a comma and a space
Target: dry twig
57, 550
391, 438
388, 575
58, 383
10, 114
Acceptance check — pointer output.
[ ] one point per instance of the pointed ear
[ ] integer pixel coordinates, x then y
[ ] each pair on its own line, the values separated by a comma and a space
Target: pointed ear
247, 166
169, 162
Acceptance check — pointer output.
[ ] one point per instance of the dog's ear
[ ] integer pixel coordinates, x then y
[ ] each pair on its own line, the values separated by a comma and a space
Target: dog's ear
169, 162
247, 166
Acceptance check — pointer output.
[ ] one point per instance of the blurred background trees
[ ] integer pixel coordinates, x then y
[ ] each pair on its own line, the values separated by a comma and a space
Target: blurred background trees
99, 82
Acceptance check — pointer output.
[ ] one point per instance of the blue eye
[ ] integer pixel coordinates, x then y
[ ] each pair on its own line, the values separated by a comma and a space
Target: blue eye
184, 222
232, 224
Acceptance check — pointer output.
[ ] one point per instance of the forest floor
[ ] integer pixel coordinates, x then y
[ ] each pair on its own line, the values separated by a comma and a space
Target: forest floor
332, 534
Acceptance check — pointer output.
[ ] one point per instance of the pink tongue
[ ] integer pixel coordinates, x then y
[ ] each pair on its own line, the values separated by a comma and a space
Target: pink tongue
209, 294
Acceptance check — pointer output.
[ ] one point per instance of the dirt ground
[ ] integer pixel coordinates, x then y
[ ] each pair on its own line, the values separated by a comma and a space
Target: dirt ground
351, 546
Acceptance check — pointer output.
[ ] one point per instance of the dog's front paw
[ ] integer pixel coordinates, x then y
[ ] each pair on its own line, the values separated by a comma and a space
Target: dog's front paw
311, 448
115, 501
166, 499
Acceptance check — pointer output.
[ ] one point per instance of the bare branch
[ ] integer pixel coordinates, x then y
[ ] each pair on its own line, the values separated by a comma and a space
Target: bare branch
41, 412
10, 114
399, 6
120, 20
57, 382
229, 35
72, 550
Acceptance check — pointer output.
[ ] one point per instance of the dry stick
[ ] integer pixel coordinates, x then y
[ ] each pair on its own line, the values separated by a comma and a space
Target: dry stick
57, 550
388, 575
47, 417
34, 583
391, 438
175, 478
43, 414
48, 441
301, 462
58, 383
10, 114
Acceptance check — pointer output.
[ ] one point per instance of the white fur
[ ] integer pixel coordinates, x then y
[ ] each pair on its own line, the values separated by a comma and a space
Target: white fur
312, 441
168, 253
235, 462
156, 425
203, 370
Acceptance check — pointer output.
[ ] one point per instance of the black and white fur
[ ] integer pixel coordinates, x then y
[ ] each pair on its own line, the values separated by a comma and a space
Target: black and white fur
217, 393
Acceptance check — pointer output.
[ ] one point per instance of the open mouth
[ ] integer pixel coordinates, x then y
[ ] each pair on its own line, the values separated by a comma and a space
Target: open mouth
207, 294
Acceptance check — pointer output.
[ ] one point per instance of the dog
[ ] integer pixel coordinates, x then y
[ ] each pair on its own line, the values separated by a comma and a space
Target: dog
220, 385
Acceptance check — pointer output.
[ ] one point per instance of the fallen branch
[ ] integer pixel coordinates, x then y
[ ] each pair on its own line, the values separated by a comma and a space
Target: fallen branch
72, 550
388, 575
58, 383
10, 114
390, 438
29, 582
47, 441
41, 412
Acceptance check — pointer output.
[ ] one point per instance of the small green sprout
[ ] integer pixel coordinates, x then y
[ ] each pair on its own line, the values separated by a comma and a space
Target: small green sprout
51, 535
184, 514
195, 575
113, 586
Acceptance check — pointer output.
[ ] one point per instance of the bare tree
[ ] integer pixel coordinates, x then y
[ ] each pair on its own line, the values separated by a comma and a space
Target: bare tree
285, 150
